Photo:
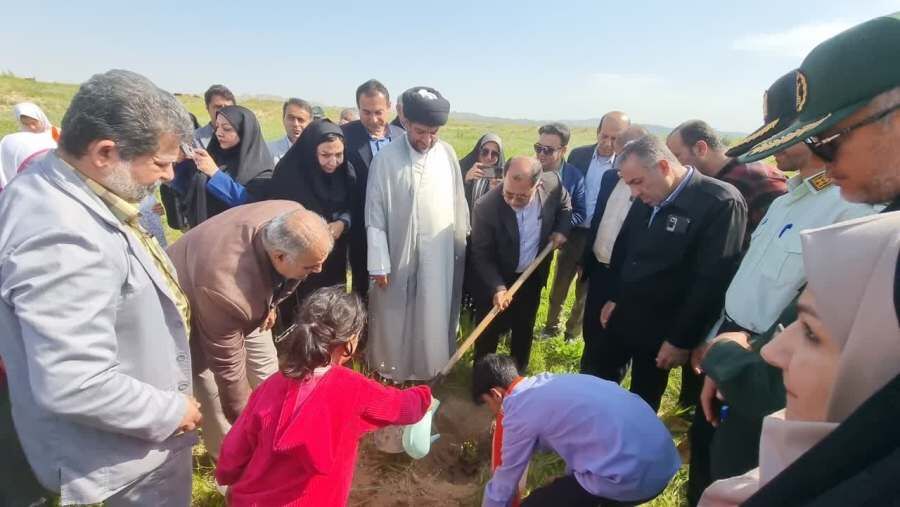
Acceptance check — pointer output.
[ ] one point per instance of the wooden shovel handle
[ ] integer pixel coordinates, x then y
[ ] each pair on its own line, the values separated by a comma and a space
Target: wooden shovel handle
486, 321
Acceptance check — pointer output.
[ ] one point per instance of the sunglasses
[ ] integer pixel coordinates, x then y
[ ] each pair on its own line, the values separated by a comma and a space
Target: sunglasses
489, 153
826, 148
540, 149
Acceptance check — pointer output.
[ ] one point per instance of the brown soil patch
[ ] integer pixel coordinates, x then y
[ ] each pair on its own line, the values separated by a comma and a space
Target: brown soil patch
453, 473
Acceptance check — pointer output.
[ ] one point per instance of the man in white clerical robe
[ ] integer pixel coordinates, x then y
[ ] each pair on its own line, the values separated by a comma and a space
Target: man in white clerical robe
417, 220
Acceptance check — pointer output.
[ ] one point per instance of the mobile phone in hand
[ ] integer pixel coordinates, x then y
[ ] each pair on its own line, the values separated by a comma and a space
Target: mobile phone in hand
188, 150
492, 172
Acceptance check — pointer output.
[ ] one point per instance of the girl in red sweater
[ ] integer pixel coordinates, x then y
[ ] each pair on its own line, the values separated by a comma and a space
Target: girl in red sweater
295, 443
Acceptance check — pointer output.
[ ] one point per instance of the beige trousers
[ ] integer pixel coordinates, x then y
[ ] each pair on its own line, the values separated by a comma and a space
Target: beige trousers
262, 361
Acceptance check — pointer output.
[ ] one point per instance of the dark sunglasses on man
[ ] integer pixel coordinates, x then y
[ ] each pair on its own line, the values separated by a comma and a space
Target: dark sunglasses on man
826, 148
540, 149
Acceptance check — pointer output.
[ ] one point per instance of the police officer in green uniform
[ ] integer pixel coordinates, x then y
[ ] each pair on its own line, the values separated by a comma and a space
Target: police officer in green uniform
769, 278
847, 95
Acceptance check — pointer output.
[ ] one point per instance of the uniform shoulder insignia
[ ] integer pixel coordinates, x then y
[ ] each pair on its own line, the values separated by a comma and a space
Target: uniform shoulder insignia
820, 181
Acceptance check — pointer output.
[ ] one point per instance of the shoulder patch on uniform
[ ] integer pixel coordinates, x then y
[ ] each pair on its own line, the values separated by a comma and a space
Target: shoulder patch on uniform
820, 181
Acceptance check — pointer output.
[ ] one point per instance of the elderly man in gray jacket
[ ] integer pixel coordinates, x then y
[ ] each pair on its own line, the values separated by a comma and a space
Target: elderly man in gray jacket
93, 325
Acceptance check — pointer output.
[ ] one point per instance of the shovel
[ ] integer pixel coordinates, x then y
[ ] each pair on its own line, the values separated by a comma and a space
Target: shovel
486, 321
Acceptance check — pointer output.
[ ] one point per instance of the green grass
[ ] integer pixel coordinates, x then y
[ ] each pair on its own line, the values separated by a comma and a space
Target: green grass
54, 99
551, 355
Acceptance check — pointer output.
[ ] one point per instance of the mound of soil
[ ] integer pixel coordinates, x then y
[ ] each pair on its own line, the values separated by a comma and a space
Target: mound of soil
453, 473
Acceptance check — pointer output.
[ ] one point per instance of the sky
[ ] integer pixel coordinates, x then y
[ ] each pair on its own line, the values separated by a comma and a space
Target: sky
662, 62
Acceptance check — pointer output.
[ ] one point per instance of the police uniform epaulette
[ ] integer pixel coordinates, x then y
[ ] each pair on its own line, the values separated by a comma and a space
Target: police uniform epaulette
820, 181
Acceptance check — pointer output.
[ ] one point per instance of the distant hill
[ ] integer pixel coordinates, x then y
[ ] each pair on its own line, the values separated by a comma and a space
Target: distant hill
463, 129
658, 130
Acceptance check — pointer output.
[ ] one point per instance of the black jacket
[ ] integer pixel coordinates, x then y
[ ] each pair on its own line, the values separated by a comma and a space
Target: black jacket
673, 274
495, 232
359, 154
581, 157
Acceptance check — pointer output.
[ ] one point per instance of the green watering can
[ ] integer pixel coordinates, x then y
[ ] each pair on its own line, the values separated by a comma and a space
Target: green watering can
417, 438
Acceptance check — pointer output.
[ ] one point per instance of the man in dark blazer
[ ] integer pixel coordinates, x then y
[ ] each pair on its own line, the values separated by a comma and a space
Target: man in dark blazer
677, 251
613, 202
510, 225
593, 162
363, 139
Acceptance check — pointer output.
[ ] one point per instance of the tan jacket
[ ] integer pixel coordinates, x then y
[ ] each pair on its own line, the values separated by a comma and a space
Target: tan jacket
231, 285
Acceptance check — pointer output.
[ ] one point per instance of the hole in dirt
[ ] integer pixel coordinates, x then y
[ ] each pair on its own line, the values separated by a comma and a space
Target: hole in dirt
453, 472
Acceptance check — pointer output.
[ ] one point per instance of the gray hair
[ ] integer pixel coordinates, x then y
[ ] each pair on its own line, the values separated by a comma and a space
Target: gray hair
352, 112
291, 234
649, 149
534, 168
126, 108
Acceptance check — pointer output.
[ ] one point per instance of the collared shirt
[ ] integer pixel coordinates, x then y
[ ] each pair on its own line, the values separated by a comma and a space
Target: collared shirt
681, 184
529, 221
611, 441
613, 217
377, 143
279, 148
771, 272
598, 167
129, 215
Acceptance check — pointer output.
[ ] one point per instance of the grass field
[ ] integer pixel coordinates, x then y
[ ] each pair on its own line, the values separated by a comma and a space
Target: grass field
551, 355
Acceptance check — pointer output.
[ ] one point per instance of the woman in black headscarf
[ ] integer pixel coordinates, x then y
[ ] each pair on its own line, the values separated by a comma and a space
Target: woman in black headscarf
482, 167
232, 171
315, 174
482, 170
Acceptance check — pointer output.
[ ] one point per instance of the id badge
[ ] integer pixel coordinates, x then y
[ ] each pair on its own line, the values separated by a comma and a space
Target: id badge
677, 224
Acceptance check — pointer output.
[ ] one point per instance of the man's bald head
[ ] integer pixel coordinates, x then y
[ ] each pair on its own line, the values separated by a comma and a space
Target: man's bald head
520, 179
612, 125
632, 133
298, 242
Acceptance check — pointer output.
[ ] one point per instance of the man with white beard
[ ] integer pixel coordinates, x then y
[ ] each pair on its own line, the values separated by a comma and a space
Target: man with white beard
93, 324
417, 220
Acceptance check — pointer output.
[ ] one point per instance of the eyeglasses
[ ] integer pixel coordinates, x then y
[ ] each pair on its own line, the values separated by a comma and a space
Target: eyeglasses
827, 148
489, 153
540, 149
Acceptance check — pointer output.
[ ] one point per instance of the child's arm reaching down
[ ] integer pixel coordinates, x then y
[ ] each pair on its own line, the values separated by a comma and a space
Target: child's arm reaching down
385, 406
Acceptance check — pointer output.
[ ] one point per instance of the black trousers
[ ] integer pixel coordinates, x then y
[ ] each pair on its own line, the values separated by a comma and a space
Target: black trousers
18, 485
600, 284
700, 436
691, 384
647, 381
518, 318
565, 491
358, 253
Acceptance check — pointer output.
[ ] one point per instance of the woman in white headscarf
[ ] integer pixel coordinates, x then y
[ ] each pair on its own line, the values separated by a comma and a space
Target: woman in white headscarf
31, 118
36, 136
843, 349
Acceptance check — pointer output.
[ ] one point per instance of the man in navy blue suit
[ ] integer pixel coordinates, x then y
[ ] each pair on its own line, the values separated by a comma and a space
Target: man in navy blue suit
363, 139
596, 272
592, 162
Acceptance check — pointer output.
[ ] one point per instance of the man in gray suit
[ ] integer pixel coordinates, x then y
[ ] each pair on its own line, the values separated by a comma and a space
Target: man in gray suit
93, 324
